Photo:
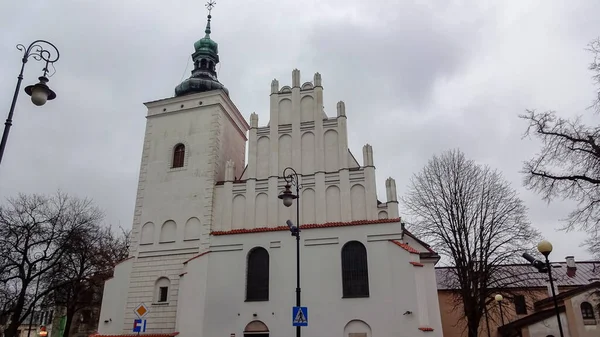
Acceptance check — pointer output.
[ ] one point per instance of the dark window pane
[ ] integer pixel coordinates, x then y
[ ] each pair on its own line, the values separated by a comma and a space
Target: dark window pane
520, 305
178, 156
257, 278
355, 272
587, 311
162, 294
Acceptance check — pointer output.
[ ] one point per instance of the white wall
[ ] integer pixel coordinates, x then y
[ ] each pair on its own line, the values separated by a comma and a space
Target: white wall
114, 299
549, 326
392, 293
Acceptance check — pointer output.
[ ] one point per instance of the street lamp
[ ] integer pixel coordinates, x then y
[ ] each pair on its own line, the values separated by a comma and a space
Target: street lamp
545, 248
287, 196
499, 299
40, 92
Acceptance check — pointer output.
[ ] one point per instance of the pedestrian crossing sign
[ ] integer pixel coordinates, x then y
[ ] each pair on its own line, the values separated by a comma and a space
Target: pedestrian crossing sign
299, 316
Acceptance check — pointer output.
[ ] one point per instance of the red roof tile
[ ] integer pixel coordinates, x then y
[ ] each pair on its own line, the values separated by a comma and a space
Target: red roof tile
427, 246
197, 256
425, 328
416, 264
171, 334
307, 226
405, 246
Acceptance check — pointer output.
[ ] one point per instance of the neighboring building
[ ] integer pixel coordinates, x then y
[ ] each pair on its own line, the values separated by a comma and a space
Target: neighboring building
520, 297
211, 254
33, 324
579, 315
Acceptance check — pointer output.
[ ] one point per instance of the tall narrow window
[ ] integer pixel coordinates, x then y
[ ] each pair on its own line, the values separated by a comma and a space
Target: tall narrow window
162, 294
520, 305
178, 155
355, 271
587, 313
257, 277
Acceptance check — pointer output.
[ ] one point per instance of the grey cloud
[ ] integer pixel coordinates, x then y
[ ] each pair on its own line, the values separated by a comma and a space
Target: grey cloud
417, 79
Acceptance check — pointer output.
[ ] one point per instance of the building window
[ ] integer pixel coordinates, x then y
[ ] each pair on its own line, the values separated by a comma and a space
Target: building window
162, 290
355, 272
178, 155
587, 313
162, 294
520, 305
257, 275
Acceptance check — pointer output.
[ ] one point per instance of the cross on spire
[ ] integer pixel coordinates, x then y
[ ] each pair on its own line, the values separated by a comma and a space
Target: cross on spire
209, 5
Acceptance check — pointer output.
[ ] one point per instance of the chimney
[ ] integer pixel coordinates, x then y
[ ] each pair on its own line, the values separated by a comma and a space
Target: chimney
571, 266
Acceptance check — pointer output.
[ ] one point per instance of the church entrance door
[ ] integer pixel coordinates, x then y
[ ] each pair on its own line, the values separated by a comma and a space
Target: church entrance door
256, 329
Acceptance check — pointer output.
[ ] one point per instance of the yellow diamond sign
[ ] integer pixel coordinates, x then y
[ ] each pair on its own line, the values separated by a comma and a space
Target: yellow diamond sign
141, 310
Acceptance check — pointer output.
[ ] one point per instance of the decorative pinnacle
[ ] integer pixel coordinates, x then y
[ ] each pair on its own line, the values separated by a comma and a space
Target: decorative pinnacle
209, 5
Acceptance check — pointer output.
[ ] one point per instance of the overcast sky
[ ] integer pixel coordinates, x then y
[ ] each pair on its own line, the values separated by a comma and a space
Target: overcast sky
417, 77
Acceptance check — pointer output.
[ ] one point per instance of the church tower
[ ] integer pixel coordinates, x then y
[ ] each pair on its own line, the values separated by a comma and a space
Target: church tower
188, 141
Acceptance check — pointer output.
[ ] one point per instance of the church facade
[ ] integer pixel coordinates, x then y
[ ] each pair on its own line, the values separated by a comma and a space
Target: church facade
211, 254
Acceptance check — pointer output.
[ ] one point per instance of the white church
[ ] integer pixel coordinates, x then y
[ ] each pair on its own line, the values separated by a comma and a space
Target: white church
211, 254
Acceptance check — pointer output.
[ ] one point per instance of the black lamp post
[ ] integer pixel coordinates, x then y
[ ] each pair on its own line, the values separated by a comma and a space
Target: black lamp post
40, 92
288, 197
545, 248
499, 299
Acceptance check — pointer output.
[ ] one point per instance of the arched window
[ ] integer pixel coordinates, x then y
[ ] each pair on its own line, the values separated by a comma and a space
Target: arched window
257, 275
355, 272
178, 155
161, 290
587, 312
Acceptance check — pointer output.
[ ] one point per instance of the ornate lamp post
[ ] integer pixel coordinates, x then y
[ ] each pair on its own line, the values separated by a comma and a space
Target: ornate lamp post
40, 92
287, 196
545, 248
499, 299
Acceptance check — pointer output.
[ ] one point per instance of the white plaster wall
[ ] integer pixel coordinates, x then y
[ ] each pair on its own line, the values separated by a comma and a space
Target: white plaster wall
583, 329
114, 299
142, 289
391, 292
247, 204
193, 289
549, 326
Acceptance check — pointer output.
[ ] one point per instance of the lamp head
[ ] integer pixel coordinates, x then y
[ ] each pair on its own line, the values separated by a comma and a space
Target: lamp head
40, 92
498, 298
287, 196
544, 247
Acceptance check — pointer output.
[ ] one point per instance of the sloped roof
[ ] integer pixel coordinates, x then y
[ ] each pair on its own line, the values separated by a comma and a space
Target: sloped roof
525, 275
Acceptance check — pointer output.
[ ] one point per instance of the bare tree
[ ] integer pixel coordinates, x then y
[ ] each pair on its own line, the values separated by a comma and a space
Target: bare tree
35, 234
568, 164
475, 219
80, 275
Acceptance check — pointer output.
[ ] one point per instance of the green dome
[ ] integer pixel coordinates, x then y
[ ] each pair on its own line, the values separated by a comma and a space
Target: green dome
204, 74
207, 45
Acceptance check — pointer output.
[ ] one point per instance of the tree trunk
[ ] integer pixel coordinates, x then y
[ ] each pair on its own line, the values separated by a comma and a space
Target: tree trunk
15, 318
71, 310
473, 327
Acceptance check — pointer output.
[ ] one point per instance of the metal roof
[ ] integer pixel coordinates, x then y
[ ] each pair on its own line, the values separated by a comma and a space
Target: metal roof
526, 276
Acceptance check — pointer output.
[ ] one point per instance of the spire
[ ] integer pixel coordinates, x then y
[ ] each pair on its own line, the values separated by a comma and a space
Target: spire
205, 57
209, 5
